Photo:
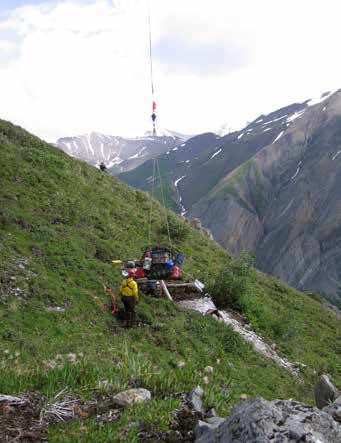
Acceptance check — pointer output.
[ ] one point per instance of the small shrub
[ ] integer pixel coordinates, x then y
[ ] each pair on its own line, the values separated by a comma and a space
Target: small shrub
233, 286
178, 230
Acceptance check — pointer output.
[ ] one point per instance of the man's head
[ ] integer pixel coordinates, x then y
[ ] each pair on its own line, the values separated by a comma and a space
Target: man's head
131, 273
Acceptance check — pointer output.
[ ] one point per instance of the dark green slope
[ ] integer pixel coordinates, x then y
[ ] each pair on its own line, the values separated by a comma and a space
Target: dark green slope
177, 162
61, 224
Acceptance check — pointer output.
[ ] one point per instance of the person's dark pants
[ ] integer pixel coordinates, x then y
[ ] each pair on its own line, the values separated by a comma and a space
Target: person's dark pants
129, 309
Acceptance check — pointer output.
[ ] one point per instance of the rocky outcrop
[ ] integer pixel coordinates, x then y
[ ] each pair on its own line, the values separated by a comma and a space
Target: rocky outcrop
325, 392
196, 224
195, 399
328, 397
262, 421
334, 409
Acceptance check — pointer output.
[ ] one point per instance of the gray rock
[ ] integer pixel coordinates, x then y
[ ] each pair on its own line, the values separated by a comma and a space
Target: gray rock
202, 428
194, 398
56, 309
280, 421
105, 386
211, 413
10, 399
215, 421
209, 426
334, 411
132, 396
181, 364
325, 392
337, 402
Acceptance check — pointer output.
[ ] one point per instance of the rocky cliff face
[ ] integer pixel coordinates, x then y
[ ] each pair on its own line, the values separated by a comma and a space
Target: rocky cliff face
284, 204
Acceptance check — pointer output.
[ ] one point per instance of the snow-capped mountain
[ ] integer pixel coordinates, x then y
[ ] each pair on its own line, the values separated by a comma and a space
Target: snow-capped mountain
119, 153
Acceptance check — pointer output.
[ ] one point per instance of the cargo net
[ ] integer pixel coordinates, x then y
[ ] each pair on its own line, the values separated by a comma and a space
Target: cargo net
158, 263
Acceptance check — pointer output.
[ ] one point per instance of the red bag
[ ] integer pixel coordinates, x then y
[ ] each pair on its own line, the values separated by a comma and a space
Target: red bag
176, 273
140, 273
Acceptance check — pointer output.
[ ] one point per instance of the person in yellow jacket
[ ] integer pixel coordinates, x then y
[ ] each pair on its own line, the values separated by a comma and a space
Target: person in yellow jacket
130, 297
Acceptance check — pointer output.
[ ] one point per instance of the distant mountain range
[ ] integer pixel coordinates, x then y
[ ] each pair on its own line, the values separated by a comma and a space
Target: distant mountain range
118, 153
273, 188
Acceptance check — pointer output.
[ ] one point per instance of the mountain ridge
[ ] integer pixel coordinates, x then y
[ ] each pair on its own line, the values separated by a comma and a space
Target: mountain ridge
117, 152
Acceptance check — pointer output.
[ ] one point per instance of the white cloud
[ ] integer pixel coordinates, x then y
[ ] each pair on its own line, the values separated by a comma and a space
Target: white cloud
68, 67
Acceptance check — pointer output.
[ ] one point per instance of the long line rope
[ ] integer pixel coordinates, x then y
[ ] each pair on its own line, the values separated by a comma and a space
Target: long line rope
151, 204
152, 89
164, 203
150, 52
156, 167
153, 116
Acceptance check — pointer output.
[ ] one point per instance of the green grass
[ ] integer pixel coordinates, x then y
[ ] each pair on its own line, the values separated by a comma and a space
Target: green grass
138, 179
61, 224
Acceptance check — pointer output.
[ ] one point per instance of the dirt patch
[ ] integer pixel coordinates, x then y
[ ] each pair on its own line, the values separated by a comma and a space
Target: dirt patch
237, 316
28, 420
181, 428
21, 422
184, 293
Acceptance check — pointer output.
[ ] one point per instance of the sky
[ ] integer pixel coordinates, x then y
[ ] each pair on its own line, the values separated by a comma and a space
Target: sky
69, 67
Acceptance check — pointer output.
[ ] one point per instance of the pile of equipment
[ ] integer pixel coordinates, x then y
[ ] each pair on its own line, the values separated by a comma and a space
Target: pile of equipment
157, 263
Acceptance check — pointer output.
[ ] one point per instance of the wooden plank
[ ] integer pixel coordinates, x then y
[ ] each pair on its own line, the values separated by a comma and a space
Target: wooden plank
165, 290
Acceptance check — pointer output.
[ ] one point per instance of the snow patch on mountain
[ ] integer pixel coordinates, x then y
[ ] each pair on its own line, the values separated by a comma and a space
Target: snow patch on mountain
334, 156
216, 153
177, 181
163, 132
295, 115
275, 120
116, 161
278, 137
138, 154
297, 171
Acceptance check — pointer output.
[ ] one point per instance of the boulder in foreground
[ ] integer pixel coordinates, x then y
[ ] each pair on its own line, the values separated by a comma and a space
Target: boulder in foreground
280, 421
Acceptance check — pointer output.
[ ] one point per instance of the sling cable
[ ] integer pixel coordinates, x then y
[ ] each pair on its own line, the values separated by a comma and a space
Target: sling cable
156, 168
153, 116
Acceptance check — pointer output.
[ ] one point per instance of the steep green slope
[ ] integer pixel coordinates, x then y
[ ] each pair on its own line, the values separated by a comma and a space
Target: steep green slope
61, 224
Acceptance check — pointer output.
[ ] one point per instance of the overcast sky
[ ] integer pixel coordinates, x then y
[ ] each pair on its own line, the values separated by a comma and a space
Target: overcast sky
68, 67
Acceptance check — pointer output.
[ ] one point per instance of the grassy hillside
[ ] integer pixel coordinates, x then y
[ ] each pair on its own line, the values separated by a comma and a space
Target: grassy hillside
61, 224
138, 178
